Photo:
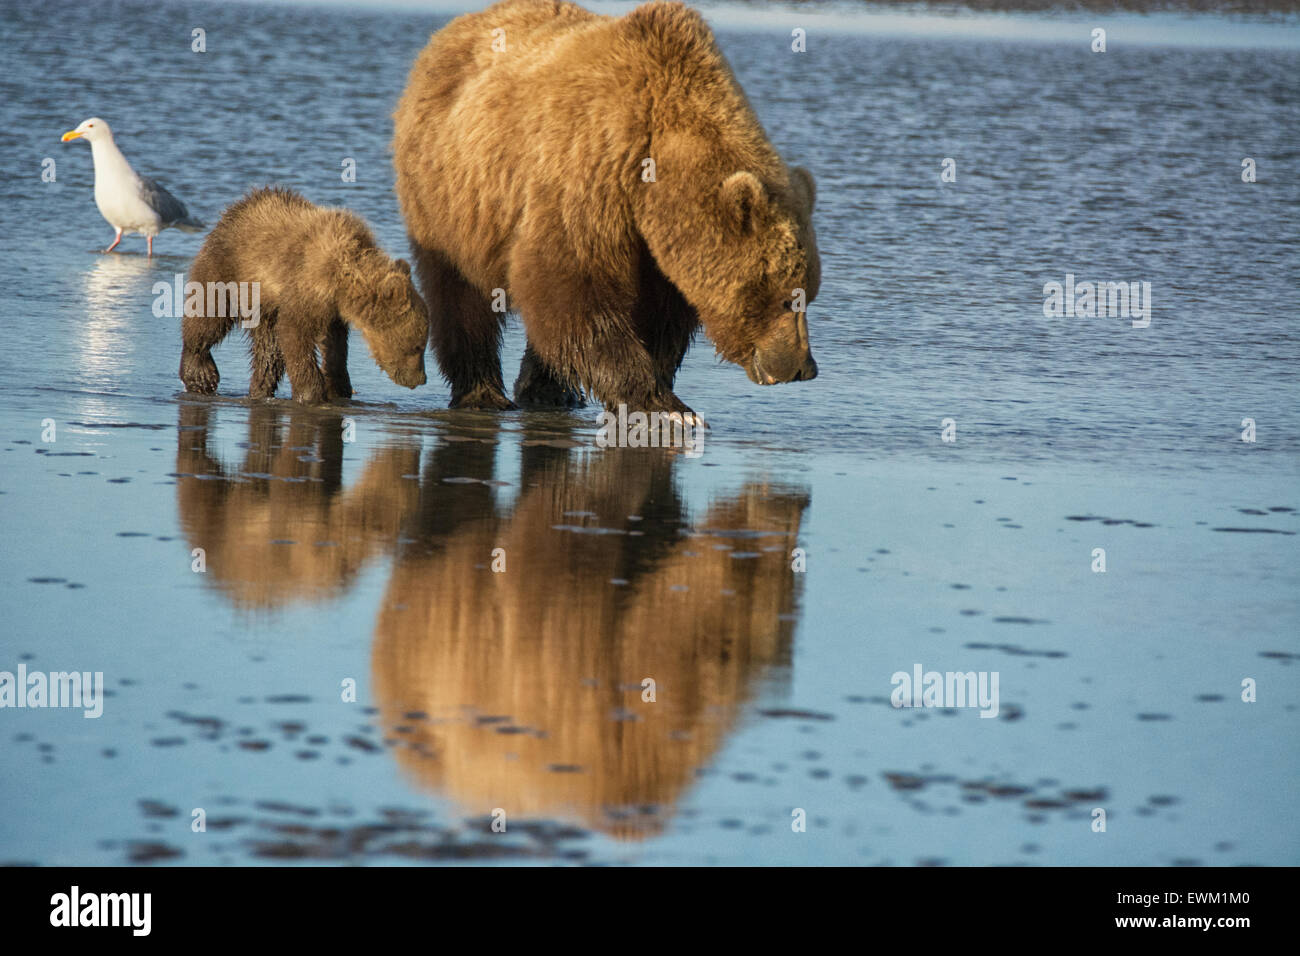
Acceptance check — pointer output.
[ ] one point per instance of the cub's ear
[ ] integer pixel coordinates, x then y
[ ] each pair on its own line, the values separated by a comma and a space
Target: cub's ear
404, 266
742, 194
803, 183
393, 285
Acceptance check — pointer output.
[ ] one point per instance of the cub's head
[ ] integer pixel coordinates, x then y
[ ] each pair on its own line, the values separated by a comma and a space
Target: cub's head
398, 332
766, 273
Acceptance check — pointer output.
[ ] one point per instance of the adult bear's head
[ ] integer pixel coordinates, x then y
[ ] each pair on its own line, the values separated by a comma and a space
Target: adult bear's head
772, 271
727, 221
744, 254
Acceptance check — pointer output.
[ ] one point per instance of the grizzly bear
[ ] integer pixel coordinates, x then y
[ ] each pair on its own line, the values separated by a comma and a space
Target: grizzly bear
318, 271
607, 177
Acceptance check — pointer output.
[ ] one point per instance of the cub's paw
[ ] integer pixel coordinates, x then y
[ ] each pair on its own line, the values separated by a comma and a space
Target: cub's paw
199, 373
311, 392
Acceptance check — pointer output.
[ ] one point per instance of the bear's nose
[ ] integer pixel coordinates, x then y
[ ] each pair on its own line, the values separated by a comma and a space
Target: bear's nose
808, 372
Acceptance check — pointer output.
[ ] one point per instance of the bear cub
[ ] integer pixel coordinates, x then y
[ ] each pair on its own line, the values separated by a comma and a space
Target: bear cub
318, 271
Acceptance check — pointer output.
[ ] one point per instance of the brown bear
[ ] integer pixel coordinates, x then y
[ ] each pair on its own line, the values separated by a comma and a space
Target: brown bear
317, 271
609, 176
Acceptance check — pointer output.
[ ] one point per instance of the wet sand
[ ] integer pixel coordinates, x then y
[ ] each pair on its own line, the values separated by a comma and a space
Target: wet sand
521, 690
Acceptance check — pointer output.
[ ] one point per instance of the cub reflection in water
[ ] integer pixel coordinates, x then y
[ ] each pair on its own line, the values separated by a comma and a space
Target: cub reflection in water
531, 677
279, 527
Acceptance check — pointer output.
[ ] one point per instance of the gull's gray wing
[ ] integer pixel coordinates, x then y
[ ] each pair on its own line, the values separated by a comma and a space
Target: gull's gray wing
170, 209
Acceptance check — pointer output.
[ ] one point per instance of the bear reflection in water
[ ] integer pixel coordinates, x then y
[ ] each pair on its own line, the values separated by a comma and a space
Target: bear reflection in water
280, 528
528, 683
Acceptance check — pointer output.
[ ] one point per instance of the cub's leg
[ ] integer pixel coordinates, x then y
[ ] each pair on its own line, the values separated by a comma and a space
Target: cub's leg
538, 384
334, 358
464, 331
296, 335
267, 362
201, 333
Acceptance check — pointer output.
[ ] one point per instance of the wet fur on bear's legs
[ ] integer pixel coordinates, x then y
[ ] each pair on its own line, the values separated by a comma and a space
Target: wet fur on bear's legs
593, 334
539, 386
200, 335
198, 369
298, 348
334, 359
587, 333
267, 363
464, 331
665, 320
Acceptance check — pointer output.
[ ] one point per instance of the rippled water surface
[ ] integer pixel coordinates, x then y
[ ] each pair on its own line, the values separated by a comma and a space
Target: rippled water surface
497, 589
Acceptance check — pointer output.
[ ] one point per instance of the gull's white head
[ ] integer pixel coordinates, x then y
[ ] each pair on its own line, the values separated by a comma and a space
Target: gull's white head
93, 129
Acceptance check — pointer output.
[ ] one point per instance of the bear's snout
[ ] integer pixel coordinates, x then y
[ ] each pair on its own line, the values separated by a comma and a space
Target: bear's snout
408, 371
784, 355
772, 369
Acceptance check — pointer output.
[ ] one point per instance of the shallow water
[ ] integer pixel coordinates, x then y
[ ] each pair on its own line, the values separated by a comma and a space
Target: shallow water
367, 556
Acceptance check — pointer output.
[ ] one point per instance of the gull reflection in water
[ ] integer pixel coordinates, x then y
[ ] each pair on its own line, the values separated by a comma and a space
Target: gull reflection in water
116, 293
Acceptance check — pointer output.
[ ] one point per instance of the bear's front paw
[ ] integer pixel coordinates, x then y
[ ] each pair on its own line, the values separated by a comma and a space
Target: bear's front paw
336, 388
547, 393
689, 418
199, 373
483, 398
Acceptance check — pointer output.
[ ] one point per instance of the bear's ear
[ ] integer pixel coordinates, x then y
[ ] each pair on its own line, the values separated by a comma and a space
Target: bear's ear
804, 184
741, 195
393, 285
404, 266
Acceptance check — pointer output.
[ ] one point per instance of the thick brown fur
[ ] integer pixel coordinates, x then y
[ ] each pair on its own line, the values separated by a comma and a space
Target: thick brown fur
522, 170
319, 271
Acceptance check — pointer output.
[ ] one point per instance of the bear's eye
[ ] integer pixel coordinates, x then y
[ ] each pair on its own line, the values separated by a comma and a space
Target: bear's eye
787, 305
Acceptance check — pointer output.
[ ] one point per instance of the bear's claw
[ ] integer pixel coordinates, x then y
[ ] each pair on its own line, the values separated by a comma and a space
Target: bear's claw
199, 373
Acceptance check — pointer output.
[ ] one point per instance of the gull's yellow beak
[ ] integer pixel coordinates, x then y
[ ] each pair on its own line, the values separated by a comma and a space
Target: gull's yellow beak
70, 134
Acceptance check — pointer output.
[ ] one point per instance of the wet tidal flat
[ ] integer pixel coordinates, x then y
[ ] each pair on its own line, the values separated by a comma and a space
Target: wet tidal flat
392, 642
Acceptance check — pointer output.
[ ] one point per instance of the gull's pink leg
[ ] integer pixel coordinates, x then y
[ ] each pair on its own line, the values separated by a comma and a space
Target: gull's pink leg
150, 238
116, 240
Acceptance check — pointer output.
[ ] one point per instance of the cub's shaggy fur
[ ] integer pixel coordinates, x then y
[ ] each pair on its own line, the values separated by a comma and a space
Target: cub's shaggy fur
319, 270
521, 151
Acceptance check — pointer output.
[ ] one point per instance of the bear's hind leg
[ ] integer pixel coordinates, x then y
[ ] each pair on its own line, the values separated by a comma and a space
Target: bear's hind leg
465, 333
539, 386
267, 360
334, 357
298, 349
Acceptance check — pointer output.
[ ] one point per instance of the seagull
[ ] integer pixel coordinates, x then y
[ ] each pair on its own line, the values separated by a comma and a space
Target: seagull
130, 202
